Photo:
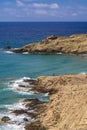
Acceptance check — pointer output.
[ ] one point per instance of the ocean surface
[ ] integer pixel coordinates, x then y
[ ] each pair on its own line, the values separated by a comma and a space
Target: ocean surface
16, 67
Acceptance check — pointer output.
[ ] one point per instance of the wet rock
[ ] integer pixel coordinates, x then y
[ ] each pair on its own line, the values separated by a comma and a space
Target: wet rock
23, 86
25, 119
19, 112
33, 103
30, 114
5, 119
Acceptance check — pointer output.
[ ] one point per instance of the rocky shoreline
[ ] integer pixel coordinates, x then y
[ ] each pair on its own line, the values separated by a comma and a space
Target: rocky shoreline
66, 109
30, 108
74, 44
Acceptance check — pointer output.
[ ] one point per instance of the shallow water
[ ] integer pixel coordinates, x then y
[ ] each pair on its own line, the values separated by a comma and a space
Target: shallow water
15, 66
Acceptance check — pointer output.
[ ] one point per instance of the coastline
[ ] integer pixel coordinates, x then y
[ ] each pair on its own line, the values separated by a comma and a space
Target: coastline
66, 109
68, 102
74, 44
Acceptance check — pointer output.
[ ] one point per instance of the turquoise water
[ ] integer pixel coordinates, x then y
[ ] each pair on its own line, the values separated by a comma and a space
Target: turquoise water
30, 65
16, 66
13, 67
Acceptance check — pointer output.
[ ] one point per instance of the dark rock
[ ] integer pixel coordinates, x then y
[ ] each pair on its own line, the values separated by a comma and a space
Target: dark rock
31, 81
19, 112
32, 115
20, 50
33, 104
25, 119
22, 86
7, 48
5, 119
52, 37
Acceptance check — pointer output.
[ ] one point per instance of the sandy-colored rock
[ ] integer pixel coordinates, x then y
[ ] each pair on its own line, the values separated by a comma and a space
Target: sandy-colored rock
74, 44
67, 109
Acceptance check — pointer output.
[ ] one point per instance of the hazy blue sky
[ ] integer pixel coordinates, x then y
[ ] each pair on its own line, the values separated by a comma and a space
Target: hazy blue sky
43, 10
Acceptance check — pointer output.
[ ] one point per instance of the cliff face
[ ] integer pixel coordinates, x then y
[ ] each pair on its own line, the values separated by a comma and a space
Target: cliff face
74, 44
67, 109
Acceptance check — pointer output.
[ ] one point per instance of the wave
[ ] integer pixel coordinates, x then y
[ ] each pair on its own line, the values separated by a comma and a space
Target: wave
18, 122
26, 89
11, 127
15, 122
25, 53
83, 73
59, 53
9, 52
22, 85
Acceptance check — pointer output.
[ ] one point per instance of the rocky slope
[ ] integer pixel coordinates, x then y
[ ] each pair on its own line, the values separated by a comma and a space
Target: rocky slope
67, 109
74, 44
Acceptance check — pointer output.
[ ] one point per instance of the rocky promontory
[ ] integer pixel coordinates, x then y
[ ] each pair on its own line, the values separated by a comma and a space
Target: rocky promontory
74, 44
67, 109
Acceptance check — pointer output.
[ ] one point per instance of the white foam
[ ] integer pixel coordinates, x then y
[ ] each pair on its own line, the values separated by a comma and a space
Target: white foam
15, 106
83, 73
11, 127
21, 86
59, 53
9, 52
15, 122
25, 53
46, 94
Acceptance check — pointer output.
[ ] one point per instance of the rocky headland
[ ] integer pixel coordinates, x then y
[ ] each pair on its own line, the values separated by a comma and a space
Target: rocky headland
67, 109
74, 44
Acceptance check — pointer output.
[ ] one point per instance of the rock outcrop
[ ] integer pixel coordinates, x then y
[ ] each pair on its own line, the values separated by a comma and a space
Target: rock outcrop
74, 44
67, 109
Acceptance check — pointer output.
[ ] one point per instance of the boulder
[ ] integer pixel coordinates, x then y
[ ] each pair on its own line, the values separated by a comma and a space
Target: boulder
5, 119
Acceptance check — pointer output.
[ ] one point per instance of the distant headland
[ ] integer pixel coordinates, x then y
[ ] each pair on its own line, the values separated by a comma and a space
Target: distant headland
74, 44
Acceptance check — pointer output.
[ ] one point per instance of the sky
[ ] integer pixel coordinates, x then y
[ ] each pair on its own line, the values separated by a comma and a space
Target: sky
43, 10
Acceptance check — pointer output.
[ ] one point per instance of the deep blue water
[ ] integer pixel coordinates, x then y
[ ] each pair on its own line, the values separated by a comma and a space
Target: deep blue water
15, 66
17, 34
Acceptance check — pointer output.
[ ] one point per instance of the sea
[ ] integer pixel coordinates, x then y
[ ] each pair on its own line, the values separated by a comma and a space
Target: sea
15, 68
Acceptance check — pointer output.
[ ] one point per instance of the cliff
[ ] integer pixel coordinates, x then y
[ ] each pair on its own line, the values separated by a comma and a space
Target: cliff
67, 109
74, 44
